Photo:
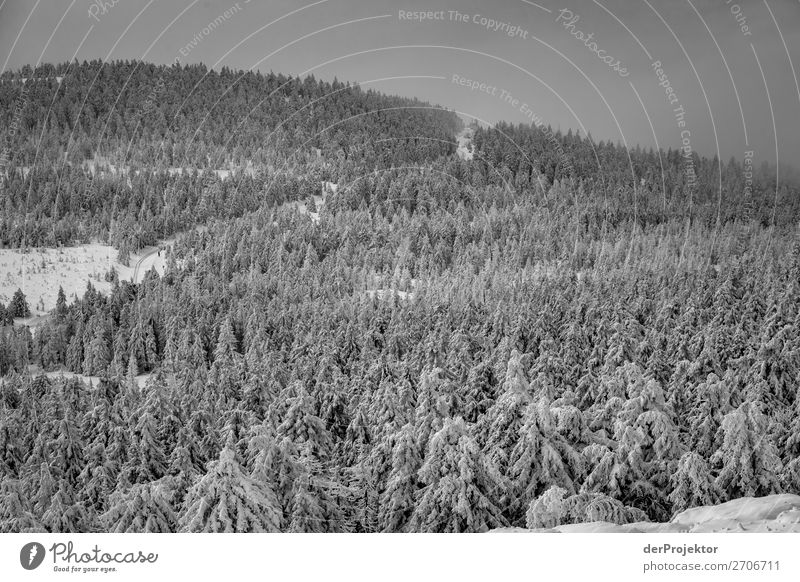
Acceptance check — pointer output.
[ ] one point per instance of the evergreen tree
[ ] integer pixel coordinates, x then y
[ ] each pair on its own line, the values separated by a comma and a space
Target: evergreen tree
692, 484
540, 459
460, 485
60, 312
19, 305
65, 515
397, 500
747, 459
314, 507
226, 499
144, 508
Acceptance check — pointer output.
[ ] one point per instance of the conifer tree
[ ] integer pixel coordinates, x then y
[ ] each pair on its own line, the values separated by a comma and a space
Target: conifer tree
499, 428
19, 305
540, 459
60, 313
65, 515
144, 508
15, 514
226, 499
151, 462
548, 510
460, 485
314, 507
747, 459
397, 500
692, 484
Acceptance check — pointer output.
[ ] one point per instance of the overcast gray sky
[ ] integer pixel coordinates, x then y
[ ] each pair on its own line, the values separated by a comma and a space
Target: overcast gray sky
538, 59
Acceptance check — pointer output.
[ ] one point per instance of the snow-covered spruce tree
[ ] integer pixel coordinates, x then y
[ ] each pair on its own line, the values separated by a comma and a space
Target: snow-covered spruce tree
429, 413
790, 477
226, 499
692, 484
602, 471
19, 305
47, 488
772, 377
648, 448
367, 480
97, 480
314, 507
150, 462
226, 373
790, 449
711, 402
555, 507
301, 425
357, 438
397, 500
747, 459
11, 453
461, 486
587, 508
499, 428
15, 514
479, 391
540, 459
67, 449
184, 467
96, 356
144, 508
387, 411
65, 515
274, 462
548, 510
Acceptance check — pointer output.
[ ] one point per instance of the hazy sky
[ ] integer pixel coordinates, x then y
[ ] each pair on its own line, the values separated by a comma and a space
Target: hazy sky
536, 60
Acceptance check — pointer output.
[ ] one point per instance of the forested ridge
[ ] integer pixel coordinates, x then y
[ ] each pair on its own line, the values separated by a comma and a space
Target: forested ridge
125, 152
456, 345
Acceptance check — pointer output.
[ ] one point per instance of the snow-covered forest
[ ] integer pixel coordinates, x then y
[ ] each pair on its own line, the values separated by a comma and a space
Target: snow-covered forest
532, 337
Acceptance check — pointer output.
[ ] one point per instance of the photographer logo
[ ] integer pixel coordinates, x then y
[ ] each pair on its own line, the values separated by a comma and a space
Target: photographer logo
31, 555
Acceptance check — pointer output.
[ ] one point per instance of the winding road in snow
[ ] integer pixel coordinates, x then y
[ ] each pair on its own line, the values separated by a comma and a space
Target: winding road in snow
138, 270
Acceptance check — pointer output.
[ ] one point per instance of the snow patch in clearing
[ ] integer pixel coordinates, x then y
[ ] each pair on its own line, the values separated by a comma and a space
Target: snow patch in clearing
465, 150
770, 514
743, 510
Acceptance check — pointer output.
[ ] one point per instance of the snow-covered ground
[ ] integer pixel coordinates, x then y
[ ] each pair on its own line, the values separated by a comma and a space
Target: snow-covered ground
141, 380
774, 513
40, 272
388, 294
102, 166
465, 149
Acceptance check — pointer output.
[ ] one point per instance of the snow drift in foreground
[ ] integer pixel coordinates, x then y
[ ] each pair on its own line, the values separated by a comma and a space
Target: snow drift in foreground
774, 513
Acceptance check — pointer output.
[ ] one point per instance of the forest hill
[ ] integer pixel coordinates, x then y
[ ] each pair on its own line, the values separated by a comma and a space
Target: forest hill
508, 390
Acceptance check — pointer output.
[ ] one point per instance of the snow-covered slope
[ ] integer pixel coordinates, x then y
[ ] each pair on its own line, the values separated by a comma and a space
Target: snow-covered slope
774, 513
